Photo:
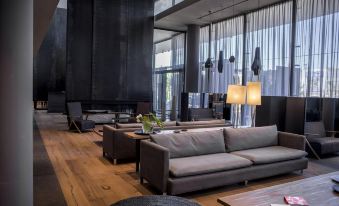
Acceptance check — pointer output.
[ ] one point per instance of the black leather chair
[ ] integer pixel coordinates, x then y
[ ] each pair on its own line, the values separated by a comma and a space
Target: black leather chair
75, 118
322, 141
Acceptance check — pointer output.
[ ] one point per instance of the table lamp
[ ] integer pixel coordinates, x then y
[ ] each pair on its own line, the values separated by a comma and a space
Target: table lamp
236, 95
253, 98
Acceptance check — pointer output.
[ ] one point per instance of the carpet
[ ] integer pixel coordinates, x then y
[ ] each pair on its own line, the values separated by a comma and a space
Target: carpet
331, 161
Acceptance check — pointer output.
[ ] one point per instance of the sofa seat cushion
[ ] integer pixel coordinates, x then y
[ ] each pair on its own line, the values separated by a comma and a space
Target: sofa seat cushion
188, 144
326, 144
272, 154
187, 166
237, 139
128, 125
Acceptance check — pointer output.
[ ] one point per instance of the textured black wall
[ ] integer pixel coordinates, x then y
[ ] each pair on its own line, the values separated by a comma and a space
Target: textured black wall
79, 49
110, 50
50, 61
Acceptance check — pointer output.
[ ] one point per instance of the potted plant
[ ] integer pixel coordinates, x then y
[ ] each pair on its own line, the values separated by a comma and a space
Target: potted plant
148, 122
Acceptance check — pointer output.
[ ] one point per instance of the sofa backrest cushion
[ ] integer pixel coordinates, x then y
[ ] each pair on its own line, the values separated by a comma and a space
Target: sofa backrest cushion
315, 128
128, 125
188, 144
207, 122
170, 124
250, 138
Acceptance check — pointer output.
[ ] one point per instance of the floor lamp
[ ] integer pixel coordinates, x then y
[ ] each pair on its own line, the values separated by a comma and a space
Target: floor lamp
236, 95
253, 98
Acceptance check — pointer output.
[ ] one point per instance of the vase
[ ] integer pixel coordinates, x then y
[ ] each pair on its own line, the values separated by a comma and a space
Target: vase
147, 128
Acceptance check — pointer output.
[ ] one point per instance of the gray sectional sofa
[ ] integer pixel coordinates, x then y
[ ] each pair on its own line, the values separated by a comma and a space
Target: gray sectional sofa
186, 162
118, 147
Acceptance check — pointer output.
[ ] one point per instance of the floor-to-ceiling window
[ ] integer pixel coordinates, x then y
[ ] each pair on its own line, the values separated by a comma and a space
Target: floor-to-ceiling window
168, 76
227, 38
316, 70
270, 30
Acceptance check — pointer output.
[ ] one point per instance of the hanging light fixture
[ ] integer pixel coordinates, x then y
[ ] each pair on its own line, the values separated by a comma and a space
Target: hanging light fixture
256, 65
220, 61
232, 58
209, 63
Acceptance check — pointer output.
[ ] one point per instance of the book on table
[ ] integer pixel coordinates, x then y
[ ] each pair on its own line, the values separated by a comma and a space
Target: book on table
295, 200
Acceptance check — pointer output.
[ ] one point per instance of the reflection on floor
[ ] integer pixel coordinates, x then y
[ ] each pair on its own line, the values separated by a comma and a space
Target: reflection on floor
86, 178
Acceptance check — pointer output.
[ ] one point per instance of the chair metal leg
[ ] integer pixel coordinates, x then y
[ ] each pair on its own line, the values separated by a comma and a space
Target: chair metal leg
246, 182
313, 151
76, 126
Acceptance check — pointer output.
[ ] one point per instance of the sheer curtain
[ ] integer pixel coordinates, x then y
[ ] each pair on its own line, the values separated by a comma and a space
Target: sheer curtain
168, 76
176, 76
227, 36
316, 72
270, 29
203, 55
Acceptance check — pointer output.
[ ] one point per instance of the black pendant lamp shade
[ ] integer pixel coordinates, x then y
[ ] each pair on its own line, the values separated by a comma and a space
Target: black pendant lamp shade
208, 63
220, 61
231, 59
256, 65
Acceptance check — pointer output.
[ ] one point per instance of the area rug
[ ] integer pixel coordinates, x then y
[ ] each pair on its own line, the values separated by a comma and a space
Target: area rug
331, 161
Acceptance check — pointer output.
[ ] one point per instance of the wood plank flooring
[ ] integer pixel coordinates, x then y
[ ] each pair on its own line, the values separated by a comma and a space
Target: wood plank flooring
86, 178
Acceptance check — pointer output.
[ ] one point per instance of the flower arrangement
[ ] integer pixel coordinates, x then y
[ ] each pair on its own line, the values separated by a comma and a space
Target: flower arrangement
148, 122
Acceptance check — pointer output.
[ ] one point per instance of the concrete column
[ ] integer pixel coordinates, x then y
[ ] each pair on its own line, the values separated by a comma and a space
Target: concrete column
192, 74
16, 116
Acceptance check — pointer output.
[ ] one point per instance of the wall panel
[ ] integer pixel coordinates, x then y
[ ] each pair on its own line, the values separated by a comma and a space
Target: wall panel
79, 50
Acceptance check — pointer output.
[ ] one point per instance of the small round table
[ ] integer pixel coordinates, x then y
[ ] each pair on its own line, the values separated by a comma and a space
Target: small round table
156, 200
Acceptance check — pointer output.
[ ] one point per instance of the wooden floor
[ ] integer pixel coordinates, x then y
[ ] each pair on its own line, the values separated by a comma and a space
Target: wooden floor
86, 178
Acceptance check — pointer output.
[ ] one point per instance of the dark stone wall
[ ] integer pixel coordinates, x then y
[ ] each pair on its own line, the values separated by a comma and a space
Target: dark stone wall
79, 49
110, 47
50, 61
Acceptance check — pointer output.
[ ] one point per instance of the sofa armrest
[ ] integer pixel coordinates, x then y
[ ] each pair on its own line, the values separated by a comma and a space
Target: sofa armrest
290, 140
154, 164
108, 140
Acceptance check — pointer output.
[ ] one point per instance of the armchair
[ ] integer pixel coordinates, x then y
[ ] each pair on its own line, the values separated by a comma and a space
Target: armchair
75, 118
319, 139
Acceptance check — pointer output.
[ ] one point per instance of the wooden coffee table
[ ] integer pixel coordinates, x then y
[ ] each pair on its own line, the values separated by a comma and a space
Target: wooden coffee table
316, 191
137, 138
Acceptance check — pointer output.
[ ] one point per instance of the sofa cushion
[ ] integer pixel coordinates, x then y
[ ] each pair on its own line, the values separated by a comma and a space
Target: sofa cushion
170, 124
325, 144
191, 143
128, 125
207, 122
272, 154
250, 138
203, 164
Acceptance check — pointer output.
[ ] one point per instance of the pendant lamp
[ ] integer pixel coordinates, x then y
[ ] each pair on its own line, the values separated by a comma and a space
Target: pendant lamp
256, 65
220, 61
